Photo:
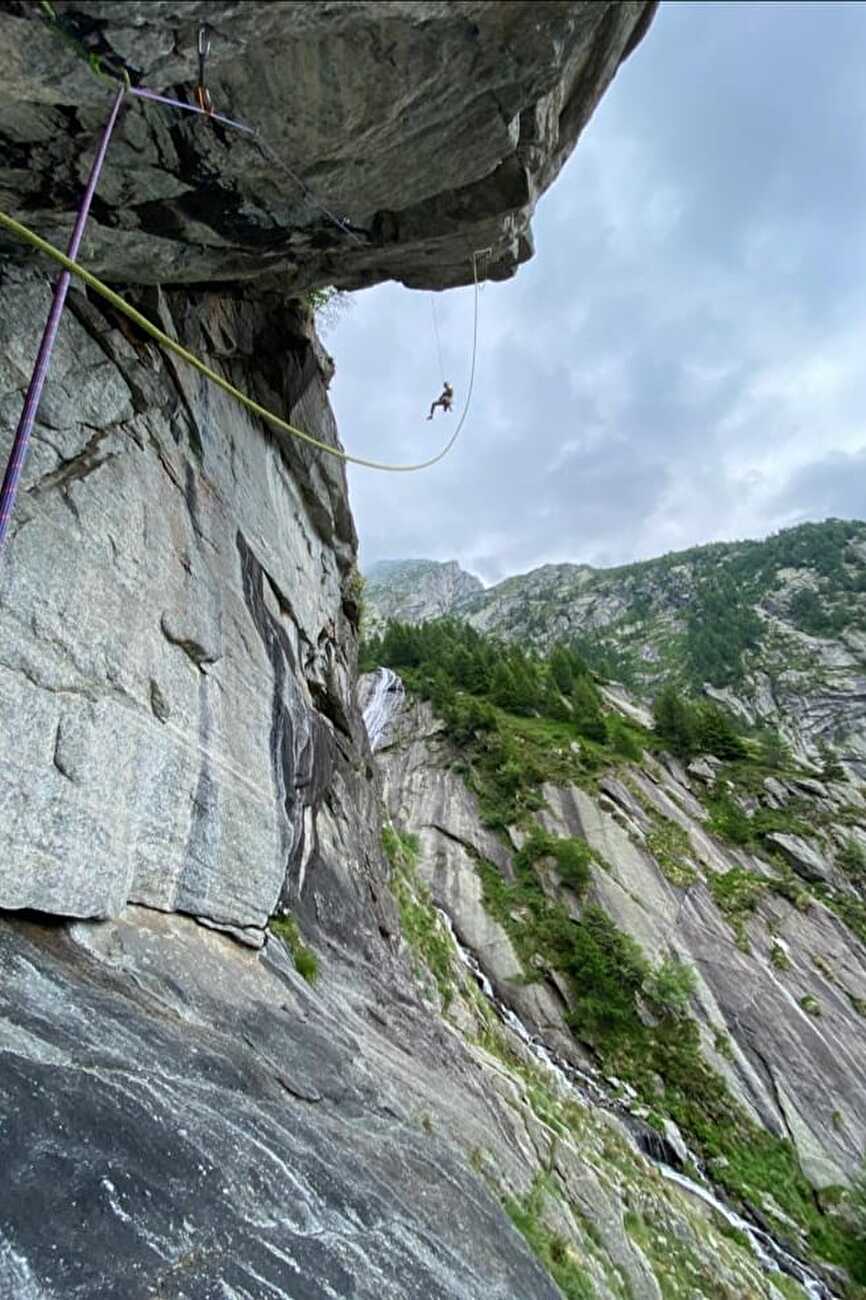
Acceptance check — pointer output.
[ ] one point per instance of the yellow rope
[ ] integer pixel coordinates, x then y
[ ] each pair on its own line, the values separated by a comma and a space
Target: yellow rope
75, 268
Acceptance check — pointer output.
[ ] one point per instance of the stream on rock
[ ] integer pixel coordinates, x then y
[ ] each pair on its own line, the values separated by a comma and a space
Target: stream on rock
590, 1088
383, 704
596, 1091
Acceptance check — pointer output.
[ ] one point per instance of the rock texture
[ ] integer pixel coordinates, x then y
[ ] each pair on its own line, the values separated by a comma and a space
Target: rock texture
222, 1130
176, 648
431, 128
178, 621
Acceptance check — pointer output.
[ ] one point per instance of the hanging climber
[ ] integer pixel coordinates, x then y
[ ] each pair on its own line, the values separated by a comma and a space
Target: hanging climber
445, 399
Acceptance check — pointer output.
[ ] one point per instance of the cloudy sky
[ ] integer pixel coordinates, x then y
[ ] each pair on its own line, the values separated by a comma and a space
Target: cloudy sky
684, 360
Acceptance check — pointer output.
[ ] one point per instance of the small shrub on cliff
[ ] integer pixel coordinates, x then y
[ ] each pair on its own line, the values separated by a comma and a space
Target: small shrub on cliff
306, 964
852, 858
670, 846
779, 957
670, 986
736, 891
572, 857
420, 923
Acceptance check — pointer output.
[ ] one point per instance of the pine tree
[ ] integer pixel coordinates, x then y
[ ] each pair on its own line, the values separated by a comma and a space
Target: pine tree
587, 714
674, 721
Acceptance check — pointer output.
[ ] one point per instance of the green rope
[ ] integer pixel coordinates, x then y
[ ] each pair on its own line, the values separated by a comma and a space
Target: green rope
171, 345
93, 60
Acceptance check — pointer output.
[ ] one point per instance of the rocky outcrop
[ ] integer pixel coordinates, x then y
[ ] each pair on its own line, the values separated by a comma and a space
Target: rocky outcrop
431, 129
174, 688
781, 988
178, 621
414, 590
209, 1125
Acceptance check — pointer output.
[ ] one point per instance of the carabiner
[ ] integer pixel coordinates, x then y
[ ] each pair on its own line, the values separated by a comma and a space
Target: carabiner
202, 95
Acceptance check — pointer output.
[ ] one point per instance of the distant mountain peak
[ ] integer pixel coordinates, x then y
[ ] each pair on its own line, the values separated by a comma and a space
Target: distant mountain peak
415, 590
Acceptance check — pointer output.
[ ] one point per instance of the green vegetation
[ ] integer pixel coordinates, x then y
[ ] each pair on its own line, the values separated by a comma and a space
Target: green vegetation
419, 922
550, 1248
306, 964
679, 1271
691, 729
670, 986
696, 611
572, 858
328, 304
779, 957
736, 893
670, 846
858, 1202
852, 857
521, 719
722, 625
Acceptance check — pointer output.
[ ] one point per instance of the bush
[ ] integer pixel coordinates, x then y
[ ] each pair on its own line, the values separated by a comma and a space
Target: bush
728, 820
306, 964
736, 891
586, 711
674, 721
572, 858
622, 739
670, 986
852, 857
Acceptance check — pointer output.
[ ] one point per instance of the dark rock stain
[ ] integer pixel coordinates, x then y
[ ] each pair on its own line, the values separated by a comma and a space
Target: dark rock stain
301, 769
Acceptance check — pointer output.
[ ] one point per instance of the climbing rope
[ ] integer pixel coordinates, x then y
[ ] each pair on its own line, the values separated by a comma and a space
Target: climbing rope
436, 332
203, 106
171, 345
21, 441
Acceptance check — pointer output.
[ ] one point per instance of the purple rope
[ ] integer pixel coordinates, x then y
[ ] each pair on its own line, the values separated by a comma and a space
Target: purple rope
21, 441
190, 108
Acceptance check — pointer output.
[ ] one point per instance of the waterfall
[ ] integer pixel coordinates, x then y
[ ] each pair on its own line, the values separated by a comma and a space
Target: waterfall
383, 704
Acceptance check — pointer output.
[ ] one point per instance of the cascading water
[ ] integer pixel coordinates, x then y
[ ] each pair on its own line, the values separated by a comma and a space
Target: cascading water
385, 701
591, 1090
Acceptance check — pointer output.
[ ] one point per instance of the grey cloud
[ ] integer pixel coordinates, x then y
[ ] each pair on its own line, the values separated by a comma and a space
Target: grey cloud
834, 485
645, 382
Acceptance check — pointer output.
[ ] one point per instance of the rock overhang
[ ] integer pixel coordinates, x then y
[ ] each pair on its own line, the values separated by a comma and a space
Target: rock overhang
432, 128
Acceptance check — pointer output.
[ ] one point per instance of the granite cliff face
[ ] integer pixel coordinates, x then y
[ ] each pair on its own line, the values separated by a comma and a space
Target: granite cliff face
778, 959
183, 1115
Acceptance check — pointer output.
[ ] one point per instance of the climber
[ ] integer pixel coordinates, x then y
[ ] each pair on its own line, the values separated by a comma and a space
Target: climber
445, 398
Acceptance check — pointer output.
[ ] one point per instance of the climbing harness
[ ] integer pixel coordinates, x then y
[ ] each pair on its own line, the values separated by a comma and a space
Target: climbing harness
204, 106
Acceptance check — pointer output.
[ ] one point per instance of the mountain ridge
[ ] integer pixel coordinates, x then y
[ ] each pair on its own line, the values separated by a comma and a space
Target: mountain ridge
775, 629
